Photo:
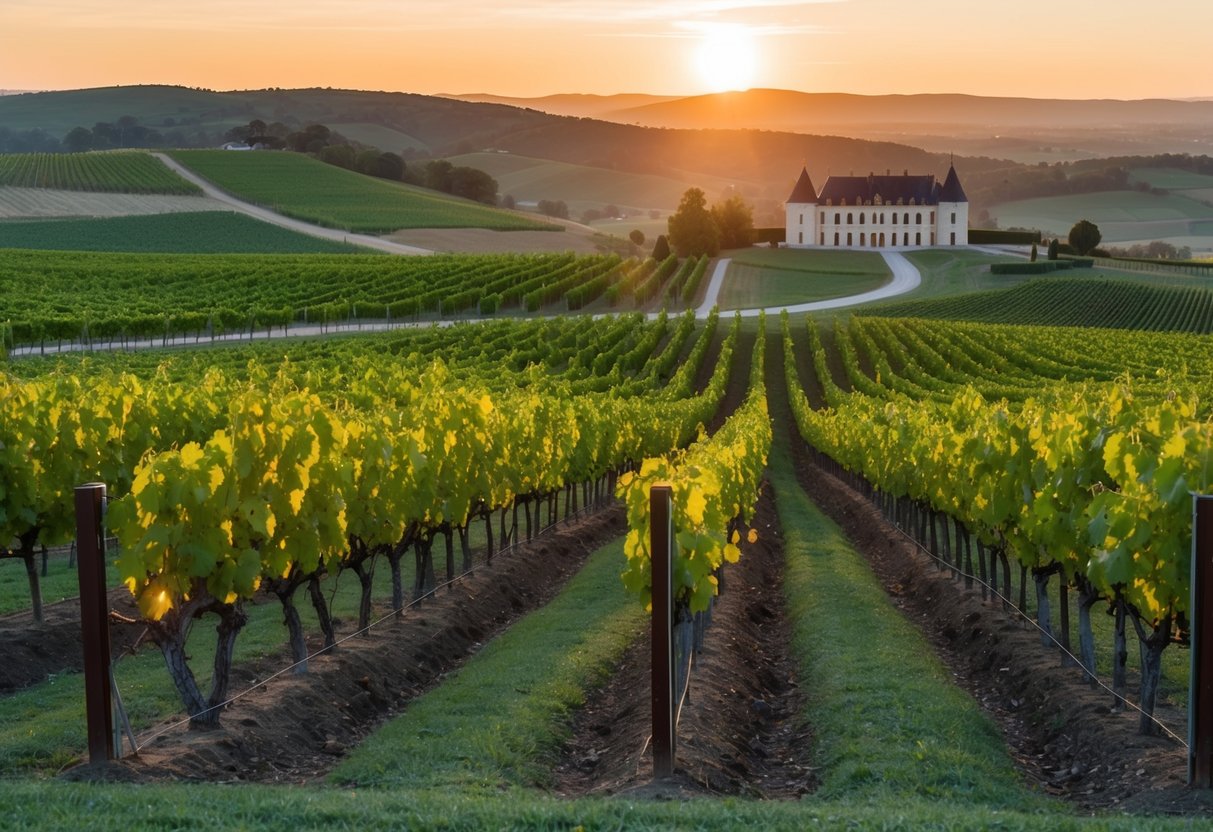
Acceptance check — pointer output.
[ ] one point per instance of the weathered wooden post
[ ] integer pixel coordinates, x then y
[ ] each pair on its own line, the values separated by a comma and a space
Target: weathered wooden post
94, 621
661, 546
1200, 693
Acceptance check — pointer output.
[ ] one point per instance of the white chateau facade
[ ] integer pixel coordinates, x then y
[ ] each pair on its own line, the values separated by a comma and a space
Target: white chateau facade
878, 212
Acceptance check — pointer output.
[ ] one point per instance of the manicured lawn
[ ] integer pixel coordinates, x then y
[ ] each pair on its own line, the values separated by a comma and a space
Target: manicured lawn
782, 277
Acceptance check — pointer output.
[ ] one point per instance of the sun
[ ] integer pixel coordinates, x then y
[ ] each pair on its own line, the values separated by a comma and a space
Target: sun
727, 58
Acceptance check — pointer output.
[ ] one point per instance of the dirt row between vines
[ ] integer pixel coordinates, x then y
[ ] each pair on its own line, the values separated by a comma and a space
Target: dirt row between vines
296, 728
1063, 734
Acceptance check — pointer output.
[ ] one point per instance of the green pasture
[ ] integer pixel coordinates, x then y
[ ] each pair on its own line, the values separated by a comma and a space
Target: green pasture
203, 232
583, 187
301, 187
377, 135
1120, 215
1170, 179
761, 277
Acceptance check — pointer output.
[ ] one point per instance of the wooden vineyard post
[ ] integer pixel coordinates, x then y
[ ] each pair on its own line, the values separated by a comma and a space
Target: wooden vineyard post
661, 540
94, 621
1200, 693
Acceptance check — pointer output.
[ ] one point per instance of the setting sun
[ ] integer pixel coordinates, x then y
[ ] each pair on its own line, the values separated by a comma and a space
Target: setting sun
727, 58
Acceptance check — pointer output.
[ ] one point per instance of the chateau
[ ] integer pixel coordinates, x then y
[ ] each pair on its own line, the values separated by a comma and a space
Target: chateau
878, 212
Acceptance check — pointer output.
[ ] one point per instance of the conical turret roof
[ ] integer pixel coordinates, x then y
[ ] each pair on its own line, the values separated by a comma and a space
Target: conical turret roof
804, 193
952, 192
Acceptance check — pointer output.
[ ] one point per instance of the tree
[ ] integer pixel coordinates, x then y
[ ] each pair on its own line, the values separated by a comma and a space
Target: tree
341, 155
78, 140
1084, 236
1053, 248
509, 202
438, 175
637, 237
661, 249
692, 230
735, 222
473, 183
557, 209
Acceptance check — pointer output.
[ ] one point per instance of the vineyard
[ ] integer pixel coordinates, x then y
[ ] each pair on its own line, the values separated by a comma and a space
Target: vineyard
106, 297
203, 232
109, 172
417, 562
306, 189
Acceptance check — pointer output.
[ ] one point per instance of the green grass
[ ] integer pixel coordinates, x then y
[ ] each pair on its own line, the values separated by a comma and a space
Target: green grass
61, 582
1120, 215
583, 187
533, 676
889, 721
766, 277
301, 187
128, 172
376, 135
1171, 179
204, 232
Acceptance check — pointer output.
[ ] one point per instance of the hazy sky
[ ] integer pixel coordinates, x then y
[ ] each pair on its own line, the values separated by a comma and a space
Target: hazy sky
1038, 48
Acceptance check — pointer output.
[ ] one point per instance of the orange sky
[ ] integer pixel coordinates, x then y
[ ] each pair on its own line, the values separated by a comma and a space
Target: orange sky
1037, 48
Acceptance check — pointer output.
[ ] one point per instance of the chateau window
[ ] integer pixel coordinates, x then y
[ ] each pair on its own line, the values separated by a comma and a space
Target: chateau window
918, 218
837, 218
933, 218
800, 238
905, 219
932, 238
861, 218
850, 239
835, 238
905, 239
882, 217
953, 238
882, 239
918, 239
823, 238
863, 239
802, 219
850, 218
894, 218
953, 218
823, 217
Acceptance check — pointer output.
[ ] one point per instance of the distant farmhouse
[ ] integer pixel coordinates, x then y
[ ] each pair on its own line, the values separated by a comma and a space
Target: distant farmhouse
878, 212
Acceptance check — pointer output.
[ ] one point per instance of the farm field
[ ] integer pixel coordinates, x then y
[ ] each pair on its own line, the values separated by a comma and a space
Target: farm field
583, 187
376, 135
1171, 179
30, 203
209, 232
306, 189
131, 172
764, 277
1120, 215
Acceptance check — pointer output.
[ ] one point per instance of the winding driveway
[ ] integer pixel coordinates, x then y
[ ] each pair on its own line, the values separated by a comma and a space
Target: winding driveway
266, 215
906, 278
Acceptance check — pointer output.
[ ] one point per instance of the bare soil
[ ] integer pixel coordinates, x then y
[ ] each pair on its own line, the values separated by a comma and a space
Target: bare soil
296, 728
1063, 734
739, 732
31, 652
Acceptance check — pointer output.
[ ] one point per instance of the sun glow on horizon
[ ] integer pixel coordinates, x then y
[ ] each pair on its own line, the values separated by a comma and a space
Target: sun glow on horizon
727, 58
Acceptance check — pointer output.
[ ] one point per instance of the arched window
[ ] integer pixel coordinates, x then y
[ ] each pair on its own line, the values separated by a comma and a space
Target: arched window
918, 238
905, 219
882, 217
837, 218
861, 216
905, 239
894, 218
835, 238
850, 239
918, 218
882, 239
863, 239
850, 218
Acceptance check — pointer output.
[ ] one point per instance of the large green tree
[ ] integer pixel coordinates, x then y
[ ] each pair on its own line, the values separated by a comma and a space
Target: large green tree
1085, 236
735, 221
692, 230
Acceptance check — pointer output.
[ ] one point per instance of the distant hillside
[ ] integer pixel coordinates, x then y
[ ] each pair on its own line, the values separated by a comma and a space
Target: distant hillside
766, 163
579, 105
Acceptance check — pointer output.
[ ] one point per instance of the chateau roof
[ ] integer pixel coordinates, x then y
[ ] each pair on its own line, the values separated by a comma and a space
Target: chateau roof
857, 190
952, 192
804, 193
